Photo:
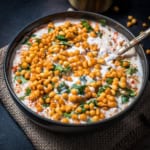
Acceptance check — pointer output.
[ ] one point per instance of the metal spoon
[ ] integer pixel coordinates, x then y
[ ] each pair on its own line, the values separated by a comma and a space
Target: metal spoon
134, 42
129, 45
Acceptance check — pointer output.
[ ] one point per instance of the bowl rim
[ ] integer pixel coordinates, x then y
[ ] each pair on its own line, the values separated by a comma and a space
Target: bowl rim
48, 120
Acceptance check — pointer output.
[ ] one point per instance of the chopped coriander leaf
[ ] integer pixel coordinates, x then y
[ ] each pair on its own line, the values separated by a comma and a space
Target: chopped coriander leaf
67, 69
58, 67
45, 105
130, 92
38, 40
61, 69
67, 115
80, 88
28, 91
61, 37
63, 88
94, 101
26, 40
83, 109
102, 22
102, 89
23, 80
29, 44
22, 98
50, 30
124, 99
65, 43
131, 70
109, 80
86, 25
99, 34
45, 96
83, 79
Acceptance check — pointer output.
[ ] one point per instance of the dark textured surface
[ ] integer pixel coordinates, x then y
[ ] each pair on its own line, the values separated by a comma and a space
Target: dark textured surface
14, 15
11, 137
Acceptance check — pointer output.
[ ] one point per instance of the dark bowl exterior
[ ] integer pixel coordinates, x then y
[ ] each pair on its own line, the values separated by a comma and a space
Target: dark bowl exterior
58, 126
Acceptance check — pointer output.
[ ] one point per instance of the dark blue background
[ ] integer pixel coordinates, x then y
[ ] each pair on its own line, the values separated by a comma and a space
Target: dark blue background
15, 14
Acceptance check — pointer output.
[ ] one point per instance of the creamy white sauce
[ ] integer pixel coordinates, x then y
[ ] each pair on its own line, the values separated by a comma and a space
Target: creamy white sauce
104, 47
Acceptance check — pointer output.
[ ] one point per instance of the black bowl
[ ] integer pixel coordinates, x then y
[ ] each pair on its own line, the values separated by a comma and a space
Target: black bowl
58, 126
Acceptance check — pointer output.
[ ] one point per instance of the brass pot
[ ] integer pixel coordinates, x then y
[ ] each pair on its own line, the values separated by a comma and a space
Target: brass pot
91, 5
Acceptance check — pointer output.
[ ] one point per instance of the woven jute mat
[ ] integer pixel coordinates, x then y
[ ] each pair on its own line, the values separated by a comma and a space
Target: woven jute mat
119, 136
